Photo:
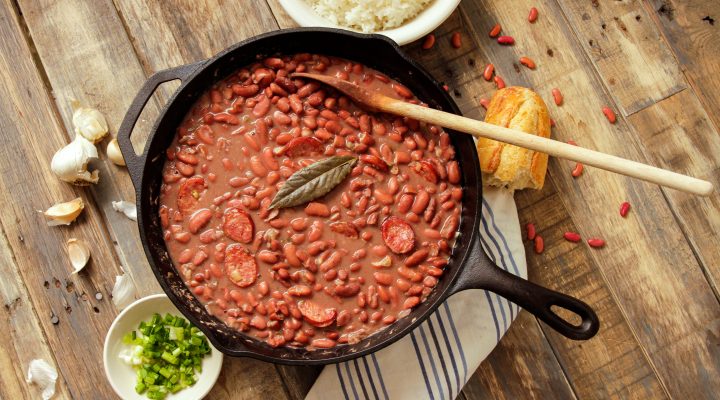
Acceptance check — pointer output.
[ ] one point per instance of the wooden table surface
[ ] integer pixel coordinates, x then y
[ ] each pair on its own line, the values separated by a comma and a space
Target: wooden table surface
654, 286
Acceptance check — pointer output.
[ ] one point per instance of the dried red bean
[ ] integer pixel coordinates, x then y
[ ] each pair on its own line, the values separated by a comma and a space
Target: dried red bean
530, 231
456, 40
495, 31
507, 40
596, 242
429, 42
488, 72
484, 103
557, 96
609, 114
528, 62
532, 17
572, 237
624, 209
539, 244
578, 170
499, 82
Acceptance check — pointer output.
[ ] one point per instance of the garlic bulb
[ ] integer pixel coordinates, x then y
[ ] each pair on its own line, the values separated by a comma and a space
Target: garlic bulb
44, 375
126, 208
114, 154
123, 292
89, 123
79, 253
70, 163
64, 213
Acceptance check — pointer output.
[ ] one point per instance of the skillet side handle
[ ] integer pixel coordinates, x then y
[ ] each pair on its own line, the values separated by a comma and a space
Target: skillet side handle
135, 162
481, 273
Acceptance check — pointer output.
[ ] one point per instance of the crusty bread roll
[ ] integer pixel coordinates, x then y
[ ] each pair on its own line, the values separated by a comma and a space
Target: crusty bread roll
507, 165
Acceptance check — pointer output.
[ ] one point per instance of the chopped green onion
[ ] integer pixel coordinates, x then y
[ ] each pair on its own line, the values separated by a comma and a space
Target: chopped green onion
169, 352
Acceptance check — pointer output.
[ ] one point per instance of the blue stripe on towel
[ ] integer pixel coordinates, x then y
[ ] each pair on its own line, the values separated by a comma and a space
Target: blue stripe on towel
342, 381
351, 380
422, 365
457, 340
440, 356
370, 378
361, 379
450, 352
380, 377
431, 359
492, 311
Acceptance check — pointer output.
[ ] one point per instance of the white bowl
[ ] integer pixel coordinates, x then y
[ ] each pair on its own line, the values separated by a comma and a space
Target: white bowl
122, 376
422, 24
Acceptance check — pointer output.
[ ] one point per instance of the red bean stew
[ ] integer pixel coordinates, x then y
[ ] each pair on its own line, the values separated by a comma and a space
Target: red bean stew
334, 270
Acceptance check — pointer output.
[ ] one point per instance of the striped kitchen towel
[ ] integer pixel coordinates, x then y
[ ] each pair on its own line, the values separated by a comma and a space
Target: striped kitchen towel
439, 356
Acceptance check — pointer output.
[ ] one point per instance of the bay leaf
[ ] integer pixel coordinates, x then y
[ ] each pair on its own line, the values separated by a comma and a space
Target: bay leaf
313, 181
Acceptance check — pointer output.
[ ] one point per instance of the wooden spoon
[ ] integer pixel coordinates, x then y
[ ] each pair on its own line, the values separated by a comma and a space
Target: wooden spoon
555, 148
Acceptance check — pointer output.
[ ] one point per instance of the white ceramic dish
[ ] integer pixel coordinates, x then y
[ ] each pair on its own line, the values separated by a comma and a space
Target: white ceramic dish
424, 23
122, 376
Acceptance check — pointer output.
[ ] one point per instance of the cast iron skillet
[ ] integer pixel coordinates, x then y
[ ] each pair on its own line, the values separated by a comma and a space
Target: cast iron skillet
469, 267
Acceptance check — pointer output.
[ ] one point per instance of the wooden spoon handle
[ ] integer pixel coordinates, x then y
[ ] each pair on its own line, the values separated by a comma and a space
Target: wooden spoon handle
552, 147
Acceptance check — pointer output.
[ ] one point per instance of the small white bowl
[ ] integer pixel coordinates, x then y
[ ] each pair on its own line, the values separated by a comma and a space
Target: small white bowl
417, 27
122, 376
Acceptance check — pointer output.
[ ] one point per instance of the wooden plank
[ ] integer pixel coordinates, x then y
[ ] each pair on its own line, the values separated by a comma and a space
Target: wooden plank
24, 339
522, 366
678, 134
101, 71
626, 48
691, 27
667, 318
31, 133
170, 34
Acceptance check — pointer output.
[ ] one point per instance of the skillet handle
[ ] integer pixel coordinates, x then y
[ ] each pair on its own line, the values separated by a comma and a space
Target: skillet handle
481, 273
136, 162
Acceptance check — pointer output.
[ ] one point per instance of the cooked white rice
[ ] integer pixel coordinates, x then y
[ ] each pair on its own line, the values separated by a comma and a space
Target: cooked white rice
368, 15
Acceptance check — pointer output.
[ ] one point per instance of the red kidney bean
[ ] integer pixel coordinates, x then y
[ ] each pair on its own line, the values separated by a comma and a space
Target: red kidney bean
596, 242
578, 170
609, 114
450, 227
332, 261
532, 17
508, 40
499, 82
539, 244
530, 227
495, 31
488, 72
572, 237
199, 219
528, 62
429, 42
411, 302
624, 209
416, 258
456, 40
317, 210
421, 202
557, 96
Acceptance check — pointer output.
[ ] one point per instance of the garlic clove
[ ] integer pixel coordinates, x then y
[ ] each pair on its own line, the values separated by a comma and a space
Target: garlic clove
79, 253
127, 208
64, 213
114, 153
123, 292
70, 163
89, 123
44, 375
